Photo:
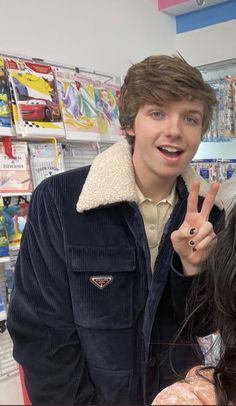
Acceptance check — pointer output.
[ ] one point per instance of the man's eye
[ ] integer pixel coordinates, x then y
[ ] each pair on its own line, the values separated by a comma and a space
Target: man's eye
192, 120
156, 114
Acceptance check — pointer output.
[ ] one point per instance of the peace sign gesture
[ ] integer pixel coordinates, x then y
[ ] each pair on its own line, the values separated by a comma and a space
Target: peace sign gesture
195, 237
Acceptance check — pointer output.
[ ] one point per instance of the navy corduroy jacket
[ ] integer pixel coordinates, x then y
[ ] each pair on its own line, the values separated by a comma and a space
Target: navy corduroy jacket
89, 322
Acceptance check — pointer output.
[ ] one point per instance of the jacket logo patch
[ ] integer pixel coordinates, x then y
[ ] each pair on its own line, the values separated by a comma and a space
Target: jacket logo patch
101, 282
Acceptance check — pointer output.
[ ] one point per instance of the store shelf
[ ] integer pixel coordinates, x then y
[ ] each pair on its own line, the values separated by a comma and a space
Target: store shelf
62, 140
216, 150
4, 259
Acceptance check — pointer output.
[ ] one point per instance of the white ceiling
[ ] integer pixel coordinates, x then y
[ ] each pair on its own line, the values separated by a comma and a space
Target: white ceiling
190, 5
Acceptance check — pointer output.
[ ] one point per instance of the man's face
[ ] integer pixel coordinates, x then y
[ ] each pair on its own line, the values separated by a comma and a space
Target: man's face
166, 139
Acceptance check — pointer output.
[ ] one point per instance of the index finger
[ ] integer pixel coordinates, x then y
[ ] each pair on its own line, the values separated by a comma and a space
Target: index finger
209, 200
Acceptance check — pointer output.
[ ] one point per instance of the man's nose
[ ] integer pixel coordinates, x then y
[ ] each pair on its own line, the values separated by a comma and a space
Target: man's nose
174, 127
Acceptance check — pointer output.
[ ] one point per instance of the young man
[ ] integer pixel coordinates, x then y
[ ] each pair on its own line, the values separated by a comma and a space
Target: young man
110, 252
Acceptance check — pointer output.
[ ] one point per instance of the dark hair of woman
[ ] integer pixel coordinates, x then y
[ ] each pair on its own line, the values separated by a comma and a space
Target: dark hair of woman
216, 294
221, 268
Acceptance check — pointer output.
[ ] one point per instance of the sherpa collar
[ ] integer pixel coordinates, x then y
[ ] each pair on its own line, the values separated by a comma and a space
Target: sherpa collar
111, 179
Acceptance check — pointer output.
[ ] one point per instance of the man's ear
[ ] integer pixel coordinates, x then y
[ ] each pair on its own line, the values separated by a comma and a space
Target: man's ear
130, 132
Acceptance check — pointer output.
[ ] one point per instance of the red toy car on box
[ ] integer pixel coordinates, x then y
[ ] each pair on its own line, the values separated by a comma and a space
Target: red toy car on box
37, 110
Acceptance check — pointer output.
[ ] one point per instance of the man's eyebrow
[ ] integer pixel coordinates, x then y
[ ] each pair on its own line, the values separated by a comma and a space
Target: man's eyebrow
192, 111
153, 105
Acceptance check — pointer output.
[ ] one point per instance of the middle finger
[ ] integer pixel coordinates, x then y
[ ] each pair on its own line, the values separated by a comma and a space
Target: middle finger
205, 230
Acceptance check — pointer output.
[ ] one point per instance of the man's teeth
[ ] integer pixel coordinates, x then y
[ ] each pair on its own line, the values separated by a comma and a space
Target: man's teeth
170, 149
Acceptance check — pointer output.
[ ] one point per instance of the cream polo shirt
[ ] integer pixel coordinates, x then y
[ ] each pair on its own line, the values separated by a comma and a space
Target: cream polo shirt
155, 216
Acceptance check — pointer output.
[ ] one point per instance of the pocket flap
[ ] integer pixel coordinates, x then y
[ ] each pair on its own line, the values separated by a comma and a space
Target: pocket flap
102, 259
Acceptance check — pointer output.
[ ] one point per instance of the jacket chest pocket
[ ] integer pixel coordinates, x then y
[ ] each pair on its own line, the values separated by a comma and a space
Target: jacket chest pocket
102, 280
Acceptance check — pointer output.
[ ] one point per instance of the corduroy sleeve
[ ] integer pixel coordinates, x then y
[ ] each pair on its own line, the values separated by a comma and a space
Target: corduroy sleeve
40, 317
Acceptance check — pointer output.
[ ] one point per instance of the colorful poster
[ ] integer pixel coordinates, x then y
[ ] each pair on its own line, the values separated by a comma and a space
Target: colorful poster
207, 169
36, 98
5, 113
107, 98
15, 218
15, 177
77, 102
4, 246
227, 169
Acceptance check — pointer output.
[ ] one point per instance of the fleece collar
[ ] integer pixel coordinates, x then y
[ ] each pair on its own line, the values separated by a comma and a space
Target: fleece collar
111, 179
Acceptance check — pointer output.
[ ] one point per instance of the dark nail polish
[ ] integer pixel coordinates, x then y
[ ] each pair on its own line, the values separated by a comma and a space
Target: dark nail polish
194, 249
191, 242
192, 230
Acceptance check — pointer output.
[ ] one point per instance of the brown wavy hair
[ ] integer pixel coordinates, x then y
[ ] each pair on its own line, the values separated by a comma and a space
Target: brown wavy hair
161, 79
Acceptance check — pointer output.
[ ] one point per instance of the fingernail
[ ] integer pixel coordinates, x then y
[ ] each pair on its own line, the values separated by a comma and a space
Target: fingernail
191, 242
192, 230
194, 249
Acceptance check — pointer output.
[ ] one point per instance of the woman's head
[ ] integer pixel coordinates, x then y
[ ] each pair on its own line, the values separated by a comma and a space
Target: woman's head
160, 80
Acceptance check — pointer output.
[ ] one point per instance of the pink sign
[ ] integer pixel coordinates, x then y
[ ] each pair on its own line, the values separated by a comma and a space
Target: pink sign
162, 4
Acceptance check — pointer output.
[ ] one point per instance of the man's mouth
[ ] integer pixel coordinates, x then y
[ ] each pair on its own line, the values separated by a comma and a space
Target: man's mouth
170, 151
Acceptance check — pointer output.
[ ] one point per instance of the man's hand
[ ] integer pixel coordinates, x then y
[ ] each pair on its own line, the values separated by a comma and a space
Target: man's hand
193, 241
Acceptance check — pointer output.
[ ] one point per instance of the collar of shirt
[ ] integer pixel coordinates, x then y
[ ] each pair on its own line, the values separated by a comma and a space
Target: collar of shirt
169, 199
